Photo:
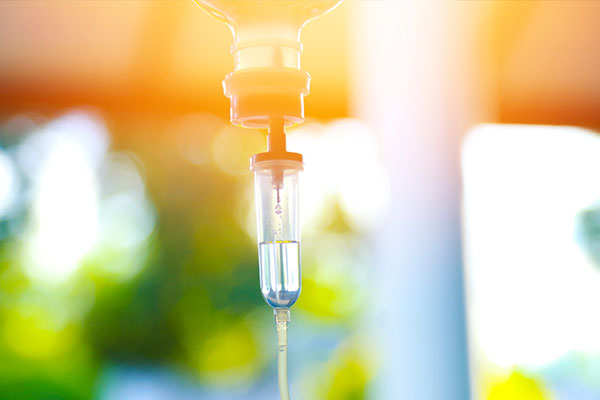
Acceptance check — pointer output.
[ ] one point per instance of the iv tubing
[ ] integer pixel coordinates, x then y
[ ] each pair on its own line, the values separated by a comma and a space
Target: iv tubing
282, 318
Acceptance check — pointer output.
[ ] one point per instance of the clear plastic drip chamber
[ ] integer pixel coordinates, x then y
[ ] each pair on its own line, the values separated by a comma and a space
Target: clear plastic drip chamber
267, 79
278, 229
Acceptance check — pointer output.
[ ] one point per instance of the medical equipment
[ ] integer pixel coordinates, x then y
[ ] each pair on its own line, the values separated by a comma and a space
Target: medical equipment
266, 90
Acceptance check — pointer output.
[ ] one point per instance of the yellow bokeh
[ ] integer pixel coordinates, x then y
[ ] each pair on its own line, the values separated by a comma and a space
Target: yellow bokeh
346, 375
334, 281
33, 333
518, 387
229, 355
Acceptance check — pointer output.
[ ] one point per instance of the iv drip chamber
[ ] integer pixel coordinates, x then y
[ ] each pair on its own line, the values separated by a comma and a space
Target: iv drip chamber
278, 225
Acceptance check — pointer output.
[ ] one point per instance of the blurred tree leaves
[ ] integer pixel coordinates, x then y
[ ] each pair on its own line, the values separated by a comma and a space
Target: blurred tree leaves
188, 304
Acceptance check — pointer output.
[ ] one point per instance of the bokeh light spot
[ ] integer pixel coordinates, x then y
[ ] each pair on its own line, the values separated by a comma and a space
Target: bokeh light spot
229, 355
194, 135
233, 148
31, 332
518, 387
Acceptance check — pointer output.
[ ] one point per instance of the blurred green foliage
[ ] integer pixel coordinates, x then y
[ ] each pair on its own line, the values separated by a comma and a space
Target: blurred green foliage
194, 306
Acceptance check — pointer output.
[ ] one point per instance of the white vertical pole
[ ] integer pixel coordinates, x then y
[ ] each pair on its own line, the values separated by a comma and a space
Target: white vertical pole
417, 83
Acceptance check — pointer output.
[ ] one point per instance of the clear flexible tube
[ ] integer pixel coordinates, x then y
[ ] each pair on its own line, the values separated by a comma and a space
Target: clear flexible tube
282, 319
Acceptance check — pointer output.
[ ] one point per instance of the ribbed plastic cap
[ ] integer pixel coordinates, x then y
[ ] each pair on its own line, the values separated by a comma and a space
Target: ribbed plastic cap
276, 156
258, 93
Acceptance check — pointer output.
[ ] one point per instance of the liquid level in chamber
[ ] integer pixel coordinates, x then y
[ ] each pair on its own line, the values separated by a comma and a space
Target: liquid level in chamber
280, 272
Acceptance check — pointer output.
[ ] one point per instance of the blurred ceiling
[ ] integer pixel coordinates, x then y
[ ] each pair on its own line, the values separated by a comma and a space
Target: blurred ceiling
548, 60
169, 56
143, 55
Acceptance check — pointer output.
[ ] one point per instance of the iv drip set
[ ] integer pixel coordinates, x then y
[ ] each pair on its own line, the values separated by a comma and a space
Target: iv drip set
266, 91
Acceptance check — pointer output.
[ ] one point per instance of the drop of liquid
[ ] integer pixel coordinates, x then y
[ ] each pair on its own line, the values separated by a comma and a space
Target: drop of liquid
278, 209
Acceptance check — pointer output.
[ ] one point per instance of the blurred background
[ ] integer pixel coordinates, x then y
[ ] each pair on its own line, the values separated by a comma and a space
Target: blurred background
128, 261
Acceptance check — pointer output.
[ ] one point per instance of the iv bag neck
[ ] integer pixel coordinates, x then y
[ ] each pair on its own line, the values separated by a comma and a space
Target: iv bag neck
267, 80
266, 44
